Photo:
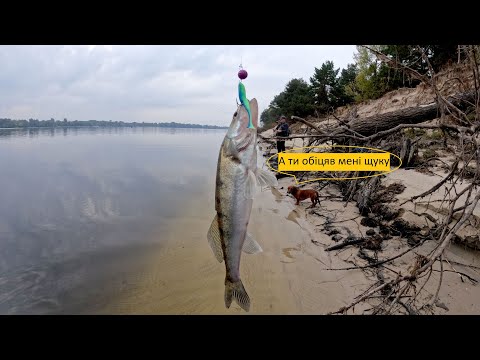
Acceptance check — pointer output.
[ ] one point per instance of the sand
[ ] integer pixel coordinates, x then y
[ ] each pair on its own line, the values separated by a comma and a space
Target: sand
286, 278
291, 275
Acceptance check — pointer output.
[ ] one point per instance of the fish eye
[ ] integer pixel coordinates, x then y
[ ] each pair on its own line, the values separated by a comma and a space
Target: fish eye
235, 113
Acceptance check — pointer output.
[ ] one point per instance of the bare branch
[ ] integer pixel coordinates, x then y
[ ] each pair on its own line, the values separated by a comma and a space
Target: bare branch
380, 262
434, 299
450, 235
308, 123
436, 187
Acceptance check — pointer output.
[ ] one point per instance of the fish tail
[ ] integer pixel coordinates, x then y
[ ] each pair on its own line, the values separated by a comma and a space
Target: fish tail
235, 290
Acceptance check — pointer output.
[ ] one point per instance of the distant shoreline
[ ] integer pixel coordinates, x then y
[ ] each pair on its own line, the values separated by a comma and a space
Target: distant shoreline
204, 127
6, 123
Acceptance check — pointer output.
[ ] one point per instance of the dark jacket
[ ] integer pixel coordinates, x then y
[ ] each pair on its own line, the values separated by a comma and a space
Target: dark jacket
284, 130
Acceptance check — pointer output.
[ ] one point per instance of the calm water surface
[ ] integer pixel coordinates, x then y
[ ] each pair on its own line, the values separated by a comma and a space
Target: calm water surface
81, 208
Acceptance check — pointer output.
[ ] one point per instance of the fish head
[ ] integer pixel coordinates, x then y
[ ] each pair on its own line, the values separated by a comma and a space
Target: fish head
239, 125
241, 141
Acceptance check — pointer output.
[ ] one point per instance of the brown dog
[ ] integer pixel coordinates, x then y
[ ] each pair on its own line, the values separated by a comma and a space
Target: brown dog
301, 195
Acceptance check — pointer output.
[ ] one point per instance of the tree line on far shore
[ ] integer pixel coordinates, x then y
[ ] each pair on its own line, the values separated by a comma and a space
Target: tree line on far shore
367, 78
52, 123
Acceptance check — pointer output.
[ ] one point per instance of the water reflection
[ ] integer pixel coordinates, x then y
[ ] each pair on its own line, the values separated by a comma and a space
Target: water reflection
80, 206
58, 131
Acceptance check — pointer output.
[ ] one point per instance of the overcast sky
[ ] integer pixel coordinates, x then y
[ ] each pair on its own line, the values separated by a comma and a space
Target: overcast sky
187, 84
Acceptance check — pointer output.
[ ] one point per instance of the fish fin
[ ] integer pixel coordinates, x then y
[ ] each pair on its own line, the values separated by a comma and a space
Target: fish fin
250, 246
214, 239
266, 178
230, 148
251, 187
235, 290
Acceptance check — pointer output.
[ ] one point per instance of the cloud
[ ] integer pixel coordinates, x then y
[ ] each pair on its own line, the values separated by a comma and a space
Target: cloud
184, 83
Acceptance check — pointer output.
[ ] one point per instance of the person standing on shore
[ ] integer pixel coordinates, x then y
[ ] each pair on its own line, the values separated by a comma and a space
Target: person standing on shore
282, 130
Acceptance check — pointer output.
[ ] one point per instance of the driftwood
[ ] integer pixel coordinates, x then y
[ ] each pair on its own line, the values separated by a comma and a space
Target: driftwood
345, 243
308, 123
407, 152
438, 185
338, 134
267, 140
364, 200
371, 128
414, 115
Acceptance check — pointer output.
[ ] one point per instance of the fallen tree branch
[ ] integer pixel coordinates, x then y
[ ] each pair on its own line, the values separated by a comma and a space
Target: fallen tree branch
407, 307
380, 262
338, 135
462, 264
450, 235
436, 187
267, 140
308, 123
423, 285
406, 287
413, 115
344, 244
473, 280
371, 292
435, 298
347, 126
326, 137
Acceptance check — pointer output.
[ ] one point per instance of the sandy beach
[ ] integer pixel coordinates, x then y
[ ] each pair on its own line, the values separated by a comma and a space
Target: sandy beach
286, 278
291, 275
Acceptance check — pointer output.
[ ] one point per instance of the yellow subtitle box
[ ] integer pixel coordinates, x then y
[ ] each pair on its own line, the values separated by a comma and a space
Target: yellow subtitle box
334, 161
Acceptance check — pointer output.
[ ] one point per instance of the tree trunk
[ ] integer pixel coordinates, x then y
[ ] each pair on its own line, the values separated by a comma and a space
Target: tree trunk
414, 115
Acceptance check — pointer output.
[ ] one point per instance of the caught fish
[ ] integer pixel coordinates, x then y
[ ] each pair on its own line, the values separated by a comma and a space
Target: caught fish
237, 178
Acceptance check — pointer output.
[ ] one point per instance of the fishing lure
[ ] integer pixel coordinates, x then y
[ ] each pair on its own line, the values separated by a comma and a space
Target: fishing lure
242, 95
